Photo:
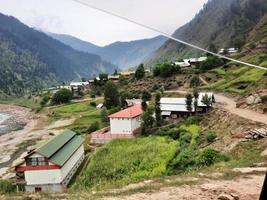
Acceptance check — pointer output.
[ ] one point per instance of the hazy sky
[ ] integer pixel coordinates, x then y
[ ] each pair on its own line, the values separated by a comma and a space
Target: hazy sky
69, 17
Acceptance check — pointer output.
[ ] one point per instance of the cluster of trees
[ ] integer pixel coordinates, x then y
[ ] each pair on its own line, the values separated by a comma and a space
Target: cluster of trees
148, 119
211, 63
166, 69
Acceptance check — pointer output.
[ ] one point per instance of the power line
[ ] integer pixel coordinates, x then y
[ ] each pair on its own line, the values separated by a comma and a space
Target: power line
85, 3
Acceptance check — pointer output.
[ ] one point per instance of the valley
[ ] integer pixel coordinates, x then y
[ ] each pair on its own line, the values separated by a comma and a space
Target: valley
141, 119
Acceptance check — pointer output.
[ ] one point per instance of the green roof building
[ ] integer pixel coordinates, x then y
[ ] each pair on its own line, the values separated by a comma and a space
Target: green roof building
50, 166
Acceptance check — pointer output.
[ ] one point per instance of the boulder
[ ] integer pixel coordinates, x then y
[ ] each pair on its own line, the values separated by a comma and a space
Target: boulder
225, 197
253, 99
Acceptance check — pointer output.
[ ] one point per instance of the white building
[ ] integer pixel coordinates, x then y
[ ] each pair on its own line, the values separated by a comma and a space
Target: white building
175, 107
50, 167
127, 121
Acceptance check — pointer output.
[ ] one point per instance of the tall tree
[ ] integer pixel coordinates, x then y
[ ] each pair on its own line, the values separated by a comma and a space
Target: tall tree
62, 96
146, 96
111, 95
189, 101
140, 72
157, 109
147, 121
207, 101
196, 96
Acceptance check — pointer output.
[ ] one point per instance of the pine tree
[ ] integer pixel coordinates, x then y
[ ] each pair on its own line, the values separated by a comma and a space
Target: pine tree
111, 95
140, 72
188, 101
157, 109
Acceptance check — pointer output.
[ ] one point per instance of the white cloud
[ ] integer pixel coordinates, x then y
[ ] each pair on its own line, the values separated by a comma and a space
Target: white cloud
69, 17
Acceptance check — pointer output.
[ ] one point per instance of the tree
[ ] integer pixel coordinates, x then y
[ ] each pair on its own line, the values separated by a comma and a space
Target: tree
188, 101
104, 115
80, 91
83, 79
196, 96
166, 69
146, 96
45, 100
103, 77
207, 101
62, 96
115, 72
157, 109
111, 95
123, 102
147, 120
140, 72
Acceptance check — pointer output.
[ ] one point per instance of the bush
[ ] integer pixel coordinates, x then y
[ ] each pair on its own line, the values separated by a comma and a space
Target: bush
193, 120
195, 82
62, 96
166, 69
44, 100
208, 157
210, 136
184, 160
185, 139
174, 133
93, 127
6, 187
93, 104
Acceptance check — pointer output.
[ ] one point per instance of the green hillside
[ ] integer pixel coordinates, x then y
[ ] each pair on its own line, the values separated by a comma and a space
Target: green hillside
30, 60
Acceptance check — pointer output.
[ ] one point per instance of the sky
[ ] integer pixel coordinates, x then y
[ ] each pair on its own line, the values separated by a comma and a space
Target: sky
72, 18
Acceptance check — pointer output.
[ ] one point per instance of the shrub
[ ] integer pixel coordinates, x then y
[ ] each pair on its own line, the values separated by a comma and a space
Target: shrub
185, 139
93, 104
6, 187
93, 127
193, 120
184, 160
195, 82
174, 133
208, 157
45, 100
166, 69
210, 136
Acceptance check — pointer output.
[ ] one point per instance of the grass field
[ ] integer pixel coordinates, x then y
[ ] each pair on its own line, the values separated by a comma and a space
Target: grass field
239, 79
24, 102
124, 161
83, 113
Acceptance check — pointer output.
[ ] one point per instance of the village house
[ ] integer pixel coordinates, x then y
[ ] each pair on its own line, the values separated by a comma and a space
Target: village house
229, 50
76, 85
114, 78
50, 167
176, 107
123, 124
188, 62
128, 73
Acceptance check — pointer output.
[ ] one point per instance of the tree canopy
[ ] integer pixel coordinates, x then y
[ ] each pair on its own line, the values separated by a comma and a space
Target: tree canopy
111, 95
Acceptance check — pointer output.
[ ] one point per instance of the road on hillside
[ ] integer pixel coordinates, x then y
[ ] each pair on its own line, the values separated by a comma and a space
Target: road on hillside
229, 104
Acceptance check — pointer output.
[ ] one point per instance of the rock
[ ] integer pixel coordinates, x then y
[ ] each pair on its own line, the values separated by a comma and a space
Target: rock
264, 153
236, 197
225, 197
253, 99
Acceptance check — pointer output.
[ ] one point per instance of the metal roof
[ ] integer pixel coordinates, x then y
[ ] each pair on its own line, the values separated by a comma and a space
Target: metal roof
53, 145
62, 156
130, 112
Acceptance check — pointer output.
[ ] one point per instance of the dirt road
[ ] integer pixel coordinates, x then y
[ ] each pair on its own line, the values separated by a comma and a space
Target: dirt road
229, 105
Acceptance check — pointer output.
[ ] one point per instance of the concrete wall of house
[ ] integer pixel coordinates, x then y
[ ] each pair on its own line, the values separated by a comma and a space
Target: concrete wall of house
45, 188
68, 166
136, 123
124, 125
120, 126
39, 177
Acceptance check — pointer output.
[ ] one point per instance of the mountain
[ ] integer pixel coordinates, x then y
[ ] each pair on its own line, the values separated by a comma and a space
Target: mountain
30, 59
219, 24
122, 54
75, 43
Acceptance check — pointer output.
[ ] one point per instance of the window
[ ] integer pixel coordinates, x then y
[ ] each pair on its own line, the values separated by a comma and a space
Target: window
36, 161
38, 189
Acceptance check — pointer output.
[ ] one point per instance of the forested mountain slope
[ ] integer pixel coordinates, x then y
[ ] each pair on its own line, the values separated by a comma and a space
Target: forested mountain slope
220, 24
30, 59
122, 54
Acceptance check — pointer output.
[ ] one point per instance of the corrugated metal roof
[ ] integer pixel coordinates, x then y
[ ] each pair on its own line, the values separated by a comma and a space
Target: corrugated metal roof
53, 145
62, 156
